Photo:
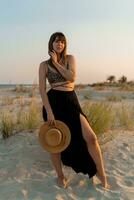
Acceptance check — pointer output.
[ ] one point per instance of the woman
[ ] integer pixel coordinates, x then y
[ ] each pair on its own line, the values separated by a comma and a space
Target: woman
61, 103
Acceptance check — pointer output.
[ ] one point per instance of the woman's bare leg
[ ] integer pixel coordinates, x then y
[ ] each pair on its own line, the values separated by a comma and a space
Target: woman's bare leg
94, 150
56, 160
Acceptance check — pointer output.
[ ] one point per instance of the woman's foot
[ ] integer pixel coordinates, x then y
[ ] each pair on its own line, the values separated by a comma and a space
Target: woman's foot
62, 182
103, 181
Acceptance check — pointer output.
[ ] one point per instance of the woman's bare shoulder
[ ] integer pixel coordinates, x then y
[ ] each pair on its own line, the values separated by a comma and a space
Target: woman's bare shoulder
43, 66
70, 56
44, 63
71, 60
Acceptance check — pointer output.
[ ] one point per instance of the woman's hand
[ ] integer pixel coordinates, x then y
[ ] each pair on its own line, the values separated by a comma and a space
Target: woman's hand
50, 118
53, 56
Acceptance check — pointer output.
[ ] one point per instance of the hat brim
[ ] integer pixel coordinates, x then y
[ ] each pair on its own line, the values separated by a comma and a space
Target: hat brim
66, 136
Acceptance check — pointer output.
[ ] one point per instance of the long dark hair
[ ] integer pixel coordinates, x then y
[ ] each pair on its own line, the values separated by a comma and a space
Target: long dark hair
62, 38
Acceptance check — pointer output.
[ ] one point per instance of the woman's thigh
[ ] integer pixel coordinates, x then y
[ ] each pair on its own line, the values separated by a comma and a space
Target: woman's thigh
87, 132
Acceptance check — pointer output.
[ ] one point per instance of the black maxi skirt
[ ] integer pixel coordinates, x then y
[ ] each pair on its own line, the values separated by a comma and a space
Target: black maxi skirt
66, 107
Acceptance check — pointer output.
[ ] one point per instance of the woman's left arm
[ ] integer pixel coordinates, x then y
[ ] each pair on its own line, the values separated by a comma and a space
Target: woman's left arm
70, 73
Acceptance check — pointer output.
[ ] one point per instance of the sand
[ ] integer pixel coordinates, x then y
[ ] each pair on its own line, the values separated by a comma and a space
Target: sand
26, 172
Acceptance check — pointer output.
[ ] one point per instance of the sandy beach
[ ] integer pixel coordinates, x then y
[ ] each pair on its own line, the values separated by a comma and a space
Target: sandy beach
26, 172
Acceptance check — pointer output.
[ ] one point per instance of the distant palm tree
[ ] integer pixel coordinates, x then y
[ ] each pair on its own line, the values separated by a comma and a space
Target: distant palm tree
111, 79
122, 79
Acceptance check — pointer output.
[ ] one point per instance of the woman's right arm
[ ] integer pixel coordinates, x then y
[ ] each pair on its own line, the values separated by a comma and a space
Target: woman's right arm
42, 90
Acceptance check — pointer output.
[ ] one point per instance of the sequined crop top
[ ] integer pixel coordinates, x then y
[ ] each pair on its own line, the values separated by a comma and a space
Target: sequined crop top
53, 75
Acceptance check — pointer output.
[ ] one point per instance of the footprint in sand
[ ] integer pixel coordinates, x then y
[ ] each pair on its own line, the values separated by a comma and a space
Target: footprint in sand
125, 146
111, 164
112, 161
123, 155
129, 181
120, 172
112, 179
132, 156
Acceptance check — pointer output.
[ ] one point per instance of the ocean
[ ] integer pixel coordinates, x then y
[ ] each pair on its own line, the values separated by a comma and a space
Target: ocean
4, 86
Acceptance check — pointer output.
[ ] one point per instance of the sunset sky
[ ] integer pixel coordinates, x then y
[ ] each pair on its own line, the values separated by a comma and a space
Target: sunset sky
100, 34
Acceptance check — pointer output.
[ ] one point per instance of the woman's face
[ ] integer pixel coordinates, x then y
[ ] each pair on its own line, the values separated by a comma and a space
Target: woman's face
58, 45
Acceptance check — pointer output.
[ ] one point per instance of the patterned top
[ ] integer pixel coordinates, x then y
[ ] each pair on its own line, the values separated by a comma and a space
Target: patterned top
53, 75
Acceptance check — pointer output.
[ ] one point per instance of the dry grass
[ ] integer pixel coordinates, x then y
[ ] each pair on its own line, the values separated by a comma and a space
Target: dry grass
21, 89
79, 86
88, 95
127, 88
31, 90
30, 118
114, 98
7, 124
106, 116
99, 87
6, 100
126, 117
26, 116
103, 116
100, 116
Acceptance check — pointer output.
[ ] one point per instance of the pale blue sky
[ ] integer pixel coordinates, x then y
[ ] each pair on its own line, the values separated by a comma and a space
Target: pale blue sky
100, 34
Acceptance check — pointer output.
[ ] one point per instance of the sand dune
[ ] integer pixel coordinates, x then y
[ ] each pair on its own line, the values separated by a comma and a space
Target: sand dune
26, 172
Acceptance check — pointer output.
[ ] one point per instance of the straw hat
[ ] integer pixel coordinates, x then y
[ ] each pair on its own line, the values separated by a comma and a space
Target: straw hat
54, 138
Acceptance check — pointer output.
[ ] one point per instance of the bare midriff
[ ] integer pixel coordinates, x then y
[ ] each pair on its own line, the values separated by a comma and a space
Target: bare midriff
65, 87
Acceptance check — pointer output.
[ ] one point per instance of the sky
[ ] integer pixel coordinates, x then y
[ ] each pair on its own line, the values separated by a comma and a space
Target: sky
100, 34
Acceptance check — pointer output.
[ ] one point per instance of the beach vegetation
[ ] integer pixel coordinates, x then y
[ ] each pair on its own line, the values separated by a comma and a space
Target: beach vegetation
88, 95
100, 116
79, 86
126, 117
30, 118
126, 87
6, 100
111, 79
123, 79
113, 98
21, 89
6, 124
100, 87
